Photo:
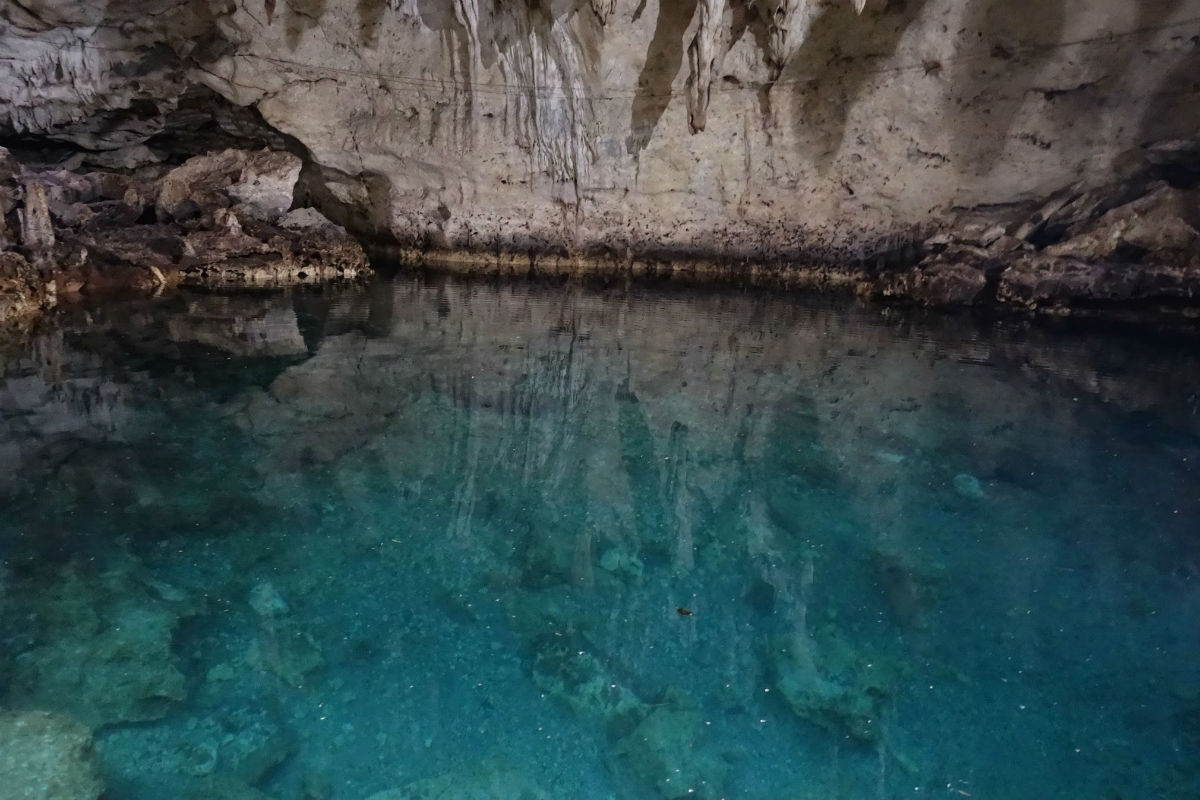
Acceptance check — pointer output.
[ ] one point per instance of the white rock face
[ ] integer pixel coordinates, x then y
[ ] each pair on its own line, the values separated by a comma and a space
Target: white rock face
735, 127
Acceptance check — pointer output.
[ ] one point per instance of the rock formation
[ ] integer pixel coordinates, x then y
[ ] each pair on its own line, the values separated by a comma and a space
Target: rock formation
917, 148
217, 219
46, 757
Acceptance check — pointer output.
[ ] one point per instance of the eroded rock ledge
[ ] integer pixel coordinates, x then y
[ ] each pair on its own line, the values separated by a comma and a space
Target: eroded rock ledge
1129, 248
219, 220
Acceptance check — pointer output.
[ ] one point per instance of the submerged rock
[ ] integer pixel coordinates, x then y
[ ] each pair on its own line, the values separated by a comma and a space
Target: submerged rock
968, 486
287, 652
103, 650
267, 602
489, 779
45, 756
565, 670
666, 751
831, 687
240, 744
224, 787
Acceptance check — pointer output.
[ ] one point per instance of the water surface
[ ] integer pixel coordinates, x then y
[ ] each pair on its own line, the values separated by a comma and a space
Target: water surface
460, 540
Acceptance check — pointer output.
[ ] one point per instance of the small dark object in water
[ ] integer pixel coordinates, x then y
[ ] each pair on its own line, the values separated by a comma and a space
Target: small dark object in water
683, 612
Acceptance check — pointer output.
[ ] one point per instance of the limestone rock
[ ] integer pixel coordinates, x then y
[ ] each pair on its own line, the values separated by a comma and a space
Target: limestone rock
266, 185
263, 182
1163, 222
37, 232
46, 756
129, 157
787, 131
307, 219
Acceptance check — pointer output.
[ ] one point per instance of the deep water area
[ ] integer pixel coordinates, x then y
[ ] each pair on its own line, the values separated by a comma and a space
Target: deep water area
448, 540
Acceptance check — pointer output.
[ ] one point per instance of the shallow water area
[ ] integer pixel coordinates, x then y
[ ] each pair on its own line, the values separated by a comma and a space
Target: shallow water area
443, 539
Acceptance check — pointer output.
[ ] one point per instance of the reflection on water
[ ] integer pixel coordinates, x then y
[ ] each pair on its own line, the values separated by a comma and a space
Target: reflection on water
448, 540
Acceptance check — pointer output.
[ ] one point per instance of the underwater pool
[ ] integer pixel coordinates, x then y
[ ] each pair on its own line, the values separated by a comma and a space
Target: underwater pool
449, 540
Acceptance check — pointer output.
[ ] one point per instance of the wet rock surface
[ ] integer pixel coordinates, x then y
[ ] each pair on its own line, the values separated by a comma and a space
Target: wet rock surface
130, 675
487, 779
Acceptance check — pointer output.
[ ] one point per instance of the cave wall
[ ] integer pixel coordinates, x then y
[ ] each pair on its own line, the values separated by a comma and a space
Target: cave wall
718, 127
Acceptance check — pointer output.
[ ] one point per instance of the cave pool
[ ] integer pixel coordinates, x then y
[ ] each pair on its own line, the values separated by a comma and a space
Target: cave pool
451, 540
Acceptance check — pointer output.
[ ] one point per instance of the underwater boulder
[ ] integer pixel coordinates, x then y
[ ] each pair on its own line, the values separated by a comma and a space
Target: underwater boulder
567, 669
45, 756
665, 752
829, 689
104, 650
488, 779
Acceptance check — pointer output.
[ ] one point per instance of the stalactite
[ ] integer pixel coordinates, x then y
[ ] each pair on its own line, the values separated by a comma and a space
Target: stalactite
604, 9
37, 234
788, 24
467, 14
541, 59
704, 55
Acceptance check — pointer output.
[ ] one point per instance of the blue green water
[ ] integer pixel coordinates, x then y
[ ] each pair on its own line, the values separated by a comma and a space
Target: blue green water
455, 540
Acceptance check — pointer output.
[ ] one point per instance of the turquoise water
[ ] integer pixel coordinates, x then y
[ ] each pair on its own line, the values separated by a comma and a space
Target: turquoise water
453, 540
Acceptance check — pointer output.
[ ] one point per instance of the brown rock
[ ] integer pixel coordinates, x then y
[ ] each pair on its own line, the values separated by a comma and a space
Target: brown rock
1045, 280
9, 189
942, 283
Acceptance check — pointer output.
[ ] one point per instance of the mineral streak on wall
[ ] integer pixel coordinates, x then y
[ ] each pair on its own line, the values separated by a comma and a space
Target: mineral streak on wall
712, 127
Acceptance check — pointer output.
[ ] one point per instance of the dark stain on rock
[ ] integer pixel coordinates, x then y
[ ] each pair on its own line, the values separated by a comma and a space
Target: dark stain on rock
1005, 48
370, 14
1174, 108
664, 58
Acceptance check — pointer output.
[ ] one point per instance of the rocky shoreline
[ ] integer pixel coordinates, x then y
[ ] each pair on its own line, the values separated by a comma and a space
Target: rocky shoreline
1128, 250
225, 220
220, 220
